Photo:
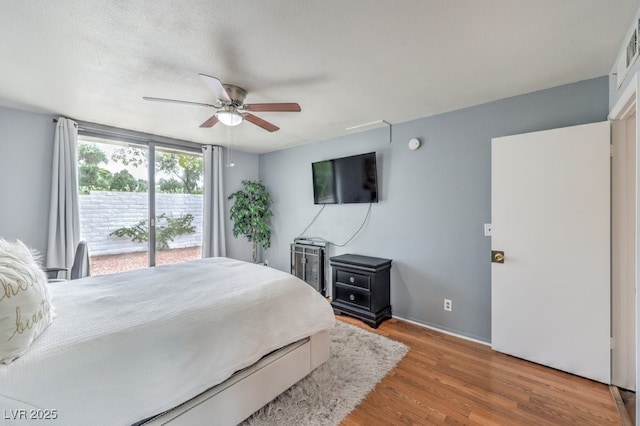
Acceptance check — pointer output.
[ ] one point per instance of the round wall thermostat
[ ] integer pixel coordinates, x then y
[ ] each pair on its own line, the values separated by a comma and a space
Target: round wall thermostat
414, 144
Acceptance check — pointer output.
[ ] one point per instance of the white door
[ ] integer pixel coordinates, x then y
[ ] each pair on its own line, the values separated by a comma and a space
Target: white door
550, 208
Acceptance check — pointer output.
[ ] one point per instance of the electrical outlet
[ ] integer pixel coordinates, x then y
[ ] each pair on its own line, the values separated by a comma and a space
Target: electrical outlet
266, 262
448, 306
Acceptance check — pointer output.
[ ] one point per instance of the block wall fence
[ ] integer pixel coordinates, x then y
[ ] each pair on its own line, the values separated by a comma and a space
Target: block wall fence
103, 212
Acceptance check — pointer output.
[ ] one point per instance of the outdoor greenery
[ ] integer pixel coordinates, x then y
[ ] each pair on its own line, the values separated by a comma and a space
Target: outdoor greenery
182, 172
94, 177
167, 228
250, 214
185, 169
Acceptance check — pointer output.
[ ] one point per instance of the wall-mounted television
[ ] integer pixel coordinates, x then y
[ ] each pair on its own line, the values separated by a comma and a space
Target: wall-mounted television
346, 180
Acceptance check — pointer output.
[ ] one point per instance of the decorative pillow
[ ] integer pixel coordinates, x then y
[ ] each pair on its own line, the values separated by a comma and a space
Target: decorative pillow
25, 308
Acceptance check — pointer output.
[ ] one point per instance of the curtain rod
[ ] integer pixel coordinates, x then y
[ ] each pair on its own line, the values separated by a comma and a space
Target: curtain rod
55, 120
132, 136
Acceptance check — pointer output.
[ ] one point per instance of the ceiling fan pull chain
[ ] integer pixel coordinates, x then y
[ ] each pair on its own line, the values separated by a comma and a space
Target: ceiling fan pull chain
229, 162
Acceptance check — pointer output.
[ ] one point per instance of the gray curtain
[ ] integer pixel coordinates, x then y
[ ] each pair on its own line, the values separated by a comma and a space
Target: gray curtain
213, 239
64, 216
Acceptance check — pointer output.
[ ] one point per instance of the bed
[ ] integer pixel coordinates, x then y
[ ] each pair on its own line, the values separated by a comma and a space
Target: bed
192, 343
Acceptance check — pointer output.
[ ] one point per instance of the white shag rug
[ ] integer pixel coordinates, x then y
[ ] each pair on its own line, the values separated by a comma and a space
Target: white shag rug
358, 360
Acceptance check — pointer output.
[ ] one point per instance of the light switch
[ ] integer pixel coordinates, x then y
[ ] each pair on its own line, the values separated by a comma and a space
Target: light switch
487, 229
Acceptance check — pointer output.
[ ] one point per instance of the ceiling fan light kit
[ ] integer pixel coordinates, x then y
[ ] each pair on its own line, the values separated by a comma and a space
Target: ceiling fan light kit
231, 106
229, 118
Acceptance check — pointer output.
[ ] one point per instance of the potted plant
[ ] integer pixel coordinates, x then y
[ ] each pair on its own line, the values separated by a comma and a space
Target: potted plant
250, 214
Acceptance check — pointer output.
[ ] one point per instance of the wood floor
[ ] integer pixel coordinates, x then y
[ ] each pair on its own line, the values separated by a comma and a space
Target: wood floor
448, 380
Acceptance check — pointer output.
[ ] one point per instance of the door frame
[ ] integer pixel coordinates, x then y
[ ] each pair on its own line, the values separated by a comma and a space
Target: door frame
151, 143
624, 108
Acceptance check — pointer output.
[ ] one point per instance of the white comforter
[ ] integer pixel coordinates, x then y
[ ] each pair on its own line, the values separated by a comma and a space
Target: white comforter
127, 346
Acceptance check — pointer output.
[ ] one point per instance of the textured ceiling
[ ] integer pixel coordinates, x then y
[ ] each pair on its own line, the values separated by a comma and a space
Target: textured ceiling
346, 62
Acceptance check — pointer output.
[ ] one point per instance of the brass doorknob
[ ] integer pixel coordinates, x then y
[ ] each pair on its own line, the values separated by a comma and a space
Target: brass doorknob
497, 256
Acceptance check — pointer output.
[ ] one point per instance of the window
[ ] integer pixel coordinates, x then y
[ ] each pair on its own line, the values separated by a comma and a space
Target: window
129, 224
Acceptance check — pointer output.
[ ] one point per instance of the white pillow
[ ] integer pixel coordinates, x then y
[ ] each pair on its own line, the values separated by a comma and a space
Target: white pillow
25, 307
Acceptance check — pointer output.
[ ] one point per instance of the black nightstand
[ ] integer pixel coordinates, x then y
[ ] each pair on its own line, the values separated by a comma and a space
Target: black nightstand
361, 287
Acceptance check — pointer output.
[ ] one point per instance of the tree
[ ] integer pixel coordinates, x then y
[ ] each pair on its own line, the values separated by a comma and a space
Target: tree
91, 175
135, 157
185, 170
90, 153
142, 185
250, 214
171, 186
123, 181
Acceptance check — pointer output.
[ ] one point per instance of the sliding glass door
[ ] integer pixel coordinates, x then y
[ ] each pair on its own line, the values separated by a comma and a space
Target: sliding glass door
178, 206
129, 224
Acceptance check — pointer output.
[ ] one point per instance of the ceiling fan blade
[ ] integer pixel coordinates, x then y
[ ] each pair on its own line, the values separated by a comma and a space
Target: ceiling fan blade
175, 101
211, 121
260, 122
276, 107
216, 87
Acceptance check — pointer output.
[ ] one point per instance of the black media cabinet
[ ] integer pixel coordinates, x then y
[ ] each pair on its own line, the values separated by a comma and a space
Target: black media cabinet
361, 287
307, 263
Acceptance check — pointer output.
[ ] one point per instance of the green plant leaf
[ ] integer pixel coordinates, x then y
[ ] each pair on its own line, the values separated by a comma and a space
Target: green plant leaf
250, 213
167, 228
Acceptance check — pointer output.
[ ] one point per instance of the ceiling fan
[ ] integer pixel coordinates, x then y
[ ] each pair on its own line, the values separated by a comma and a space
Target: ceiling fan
231, 107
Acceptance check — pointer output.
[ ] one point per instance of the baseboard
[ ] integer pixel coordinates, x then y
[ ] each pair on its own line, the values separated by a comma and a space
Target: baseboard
450, 333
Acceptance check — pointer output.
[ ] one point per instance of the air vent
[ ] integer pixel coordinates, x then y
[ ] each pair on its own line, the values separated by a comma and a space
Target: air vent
629, 55
632, 49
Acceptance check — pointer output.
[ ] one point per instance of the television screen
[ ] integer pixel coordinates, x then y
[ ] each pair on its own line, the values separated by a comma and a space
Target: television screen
346, 180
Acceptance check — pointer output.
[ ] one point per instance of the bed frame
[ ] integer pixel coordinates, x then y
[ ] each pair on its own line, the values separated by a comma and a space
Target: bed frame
248, 390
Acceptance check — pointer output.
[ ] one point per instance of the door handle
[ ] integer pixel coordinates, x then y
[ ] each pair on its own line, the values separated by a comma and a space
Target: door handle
497, 256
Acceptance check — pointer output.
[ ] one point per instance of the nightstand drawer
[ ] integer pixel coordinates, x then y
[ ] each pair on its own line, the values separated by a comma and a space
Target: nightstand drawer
352, 295
351, 278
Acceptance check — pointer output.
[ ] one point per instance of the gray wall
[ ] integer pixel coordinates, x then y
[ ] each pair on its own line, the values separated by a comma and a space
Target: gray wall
246, 167
434, 201
26, 146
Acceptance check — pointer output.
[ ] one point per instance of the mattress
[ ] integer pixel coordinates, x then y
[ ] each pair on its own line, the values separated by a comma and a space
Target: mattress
127, 346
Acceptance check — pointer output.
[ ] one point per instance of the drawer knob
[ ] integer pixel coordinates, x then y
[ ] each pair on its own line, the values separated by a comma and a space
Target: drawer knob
352, 297
352, 280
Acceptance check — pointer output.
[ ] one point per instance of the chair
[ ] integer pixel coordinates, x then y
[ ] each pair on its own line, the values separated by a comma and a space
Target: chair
79, 269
